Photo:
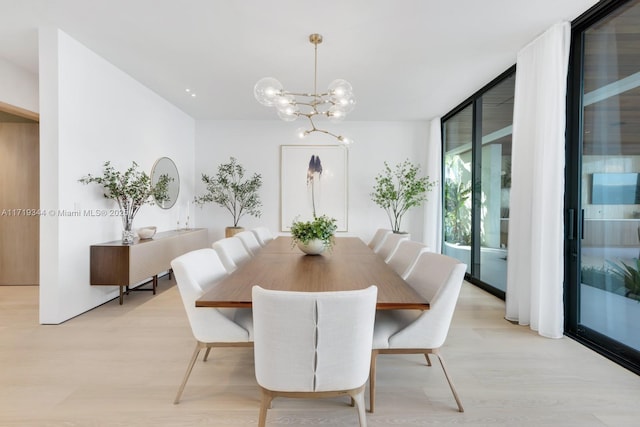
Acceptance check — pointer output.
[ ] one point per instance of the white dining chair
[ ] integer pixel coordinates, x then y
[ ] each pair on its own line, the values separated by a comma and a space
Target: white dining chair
404, 257
389, 244
263, 235
437, 278
313, 344
378, 237
232, 252
249, 241
196, 272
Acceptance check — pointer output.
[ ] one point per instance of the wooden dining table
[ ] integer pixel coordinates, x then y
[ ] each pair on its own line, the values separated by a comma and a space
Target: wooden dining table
349, 265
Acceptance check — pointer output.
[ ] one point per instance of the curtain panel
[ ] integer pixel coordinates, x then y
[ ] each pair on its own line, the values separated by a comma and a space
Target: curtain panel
535, 266
433, 207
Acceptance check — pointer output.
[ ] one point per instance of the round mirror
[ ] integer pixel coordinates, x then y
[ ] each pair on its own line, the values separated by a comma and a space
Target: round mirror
164, 166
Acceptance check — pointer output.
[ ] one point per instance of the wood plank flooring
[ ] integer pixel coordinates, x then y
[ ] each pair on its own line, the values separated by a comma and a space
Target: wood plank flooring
121, 366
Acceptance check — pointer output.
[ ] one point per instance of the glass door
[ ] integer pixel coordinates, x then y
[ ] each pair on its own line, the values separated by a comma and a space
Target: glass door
495, 182
604, 221
477, 181
457, 139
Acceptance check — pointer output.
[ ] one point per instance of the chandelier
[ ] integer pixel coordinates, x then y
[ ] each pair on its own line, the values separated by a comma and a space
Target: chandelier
334, 104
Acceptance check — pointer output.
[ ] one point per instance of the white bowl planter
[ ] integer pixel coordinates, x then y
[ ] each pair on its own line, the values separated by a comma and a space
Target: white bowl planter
146, 232
314, 247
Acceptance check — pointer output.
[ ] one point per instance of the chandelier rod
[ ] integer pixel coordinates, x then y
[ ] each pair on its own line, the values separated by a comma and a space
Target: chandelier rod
316, 39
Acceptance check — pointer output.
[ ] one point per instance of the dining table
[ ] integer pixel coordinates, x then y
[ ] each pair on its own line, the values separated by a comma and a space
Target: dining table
348, 265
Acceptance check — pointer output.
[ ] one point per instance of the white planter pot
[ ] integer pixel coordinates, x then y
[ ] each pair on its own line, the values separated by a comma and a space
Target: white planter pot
314, 247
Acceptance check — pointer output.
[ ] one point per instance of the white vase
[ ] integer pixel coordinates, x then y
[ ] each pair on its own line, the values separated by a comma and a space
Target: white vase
314, 247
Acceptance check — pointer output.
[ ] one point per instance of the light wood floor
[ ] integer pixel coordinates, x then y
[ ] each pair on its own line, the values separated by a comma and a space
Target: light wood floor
121, 366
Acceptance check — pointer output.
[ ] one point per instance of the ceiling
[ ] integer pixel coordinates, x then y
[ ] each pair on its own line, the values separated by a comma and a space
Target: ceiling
406, 60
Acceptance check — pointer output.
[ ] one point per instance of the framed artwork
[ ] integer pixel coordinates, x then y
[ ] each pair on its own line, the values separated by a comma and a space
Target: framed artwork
313, 178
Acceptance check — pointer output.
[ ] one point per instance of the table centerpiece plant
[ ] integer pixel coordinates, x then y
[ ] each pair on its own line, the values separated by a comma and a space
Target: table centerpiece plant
131, 189
313, 237
230, 189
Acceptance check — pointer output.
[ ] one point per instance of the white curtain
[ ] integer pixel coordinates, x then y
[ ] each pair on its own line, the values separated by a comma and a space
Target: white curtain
536, 227
433, 207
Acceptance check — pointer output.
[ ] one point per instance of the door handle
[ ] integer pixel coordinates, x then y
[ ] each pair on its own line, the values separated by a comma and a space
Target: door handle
571, 226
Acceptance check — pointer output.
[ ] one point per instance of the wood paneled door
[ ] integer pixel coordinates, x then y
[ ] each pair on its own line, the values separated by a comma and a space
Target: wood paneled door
19, 201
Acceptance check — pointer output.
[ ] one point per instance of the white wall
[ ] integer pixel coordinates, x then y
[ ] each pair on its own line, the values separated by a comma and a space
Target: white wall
18, 87
256, 144
91, 112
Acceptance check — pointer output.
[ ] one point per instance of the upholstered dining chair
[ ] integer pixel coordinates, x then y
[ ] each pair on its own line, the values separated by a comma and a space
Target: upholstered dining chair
232, 252
313, 344
196, 272
379, 235
389, 244
438, 278
263, 235
404, 257
249, 241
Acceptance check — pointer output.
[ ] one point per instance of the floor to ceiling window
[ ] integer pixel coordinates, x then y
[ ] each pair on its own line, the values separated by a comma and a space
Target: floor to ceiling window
456, 132
477, 180
603, 183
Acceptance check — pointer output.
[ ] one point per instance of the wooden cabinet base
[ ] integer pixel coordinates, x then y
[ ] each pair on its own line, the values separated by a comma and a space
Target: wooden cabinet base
124, 290
115, 264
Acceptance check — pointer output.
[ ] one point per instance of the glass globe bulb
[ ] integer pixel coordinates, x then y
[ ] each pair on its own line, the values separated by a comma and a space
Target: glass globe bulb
267, 90
285, 103
335, 114
288, 114
345, 140
339, 89
301, 133
346, 104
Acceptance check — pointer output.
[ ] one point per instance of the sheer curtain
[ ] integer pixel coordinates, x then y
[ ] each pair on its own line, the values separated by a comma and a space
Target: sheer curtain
535, 268
433, 207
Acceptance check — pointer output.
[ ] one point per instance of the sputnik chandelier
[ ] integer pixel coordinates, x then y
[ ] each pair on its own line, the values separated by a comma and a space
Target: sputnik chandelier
334, 104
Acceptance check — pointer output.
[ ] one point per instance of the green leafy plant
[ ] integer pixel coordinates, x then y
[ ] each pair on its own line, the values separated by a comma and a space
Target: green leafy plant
230, 189
603, 278
457, 217
400, 189
457, 201
630, 274
131, 189
322, 228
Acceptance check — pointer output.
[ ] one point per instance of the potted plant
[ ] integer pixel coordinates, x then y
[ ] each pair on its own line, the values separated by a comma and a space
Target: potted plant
130, 189
313, 237
230, 189
398, 190
630, 274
